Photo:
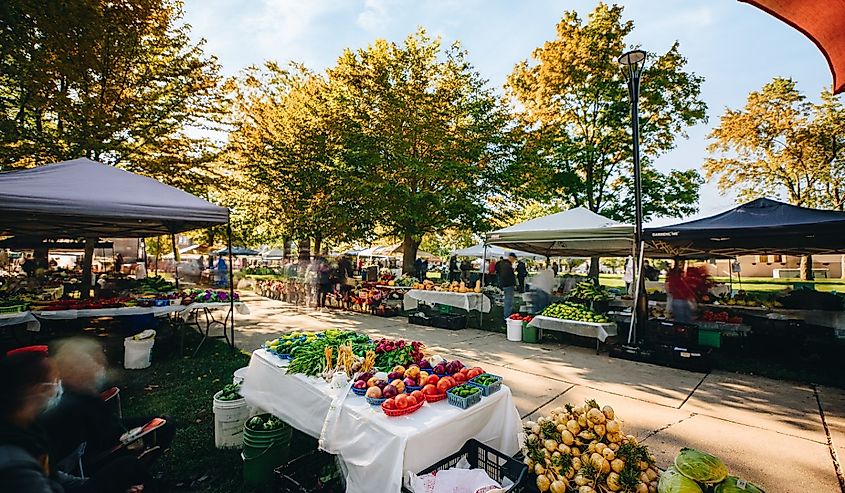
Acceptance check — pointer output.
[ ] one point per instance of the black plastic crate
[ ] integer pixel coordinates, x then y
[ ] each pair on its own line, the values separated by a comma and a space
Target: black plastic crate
692, 358
451, 322
316, 472
480, 456
669, 332
414, 319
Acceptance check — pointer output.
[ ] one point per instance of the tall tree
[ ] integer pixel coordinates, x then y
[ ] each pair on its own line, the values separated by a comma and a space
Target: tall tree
572, 105
116, 81
782, 145
286, 147
425, 128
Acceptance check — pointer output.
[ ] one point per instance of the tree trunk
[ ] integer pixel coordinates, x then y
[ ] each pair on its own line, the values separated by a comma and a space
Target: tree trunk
87, 261
410, 245
305, 249
285, 248
318, 244
594, 269
806, 268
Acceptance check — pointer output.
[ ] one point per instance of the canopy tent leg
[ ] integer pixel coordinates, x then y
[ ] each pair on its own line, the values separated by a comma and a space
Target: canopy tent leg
175, 259
87, 262
231, 285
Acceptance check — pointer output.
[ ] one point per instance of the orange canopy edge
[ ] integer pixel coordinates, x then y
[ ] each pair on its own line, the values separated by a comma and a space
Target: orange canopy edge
823, 21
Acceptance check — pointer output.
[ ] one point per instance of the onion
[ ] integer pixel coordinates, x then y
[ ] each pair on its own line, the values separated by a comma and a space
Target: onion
539, 470
612, 426
586, 489
600, 430
608, 454
614, 446
651, 473
576, 463
581, 480
535, 429
613, 482
573, 427
561, 428
642, 488
567, 438
596, 416
608, 412
575, 451
543, 483
617, 465
550, 445
582, 421
563, 449
558, 486
599, 447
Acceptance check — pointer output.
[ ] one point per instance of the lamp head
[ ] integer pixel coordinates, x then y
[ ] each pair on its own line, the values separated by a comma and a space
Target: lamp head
633, 57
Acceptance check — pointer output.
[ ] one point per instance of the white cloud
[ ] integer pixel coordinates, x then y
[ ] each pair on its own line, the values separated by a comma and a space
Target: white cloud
279, 26
376, 14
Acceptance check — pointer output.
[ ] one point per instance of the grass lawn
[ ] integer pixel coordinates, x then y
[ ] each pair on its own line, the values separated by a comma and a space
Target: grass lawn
182, 387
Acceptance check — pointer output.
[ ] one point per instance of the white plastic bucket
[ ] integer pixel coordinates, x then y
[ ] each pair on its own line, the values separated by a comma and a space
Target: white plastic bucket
239, 375
137, 354
514, 330
229, 419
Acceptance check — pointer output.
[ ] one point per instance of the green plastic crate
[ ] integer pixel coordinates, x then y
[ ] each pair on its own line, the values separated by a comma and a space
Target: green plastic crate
709, 337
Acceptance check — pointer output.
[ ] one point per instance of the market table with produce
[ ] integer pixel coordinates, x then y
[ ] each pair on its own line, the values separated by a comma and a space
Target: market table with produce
8, 319
352, 412
468, 301
577, 319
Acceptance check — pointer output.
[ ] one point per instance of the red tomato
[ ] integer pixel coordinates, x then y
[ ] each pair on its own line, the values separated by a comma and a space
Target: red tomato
450, 382
401, 401
443, 385
460, 377
474, 373
418, 396
464, 370
430, 390
432, 379
389, 404
412, 401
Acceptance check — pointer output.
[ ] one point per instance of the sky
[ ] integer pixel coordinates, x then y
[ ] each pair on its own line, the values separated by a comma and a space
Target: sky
734, 46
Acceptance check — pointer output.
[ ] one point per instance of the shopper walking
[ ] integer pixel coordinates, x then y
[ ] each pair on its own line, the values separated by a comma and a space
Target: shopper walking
521, 274
507, 281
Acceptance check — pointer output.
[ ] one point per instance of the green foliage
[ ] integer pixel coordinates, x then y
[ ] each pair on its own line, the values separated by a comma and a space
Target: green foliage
573, 114
781, 145
118, 82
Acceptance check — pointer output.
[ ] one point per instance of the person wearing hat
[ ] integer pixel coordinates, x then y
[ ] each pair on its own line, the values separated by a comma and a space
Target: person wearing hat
507, 281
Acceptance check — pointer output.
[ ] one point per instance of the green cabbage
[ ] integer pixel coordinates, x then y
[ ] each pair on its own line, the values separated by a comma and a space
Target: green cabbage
700, 466
671, 481
729, 485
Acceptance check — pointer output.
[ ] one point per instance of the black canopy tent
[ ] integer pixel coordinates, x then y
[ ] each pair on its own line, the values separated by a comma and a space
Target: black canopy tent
762, 226
86, 199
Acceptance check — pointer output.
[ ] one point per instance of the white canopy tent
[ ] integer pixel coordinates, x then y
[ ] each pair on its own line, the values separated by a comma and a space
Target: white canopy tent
493, 252
574, 233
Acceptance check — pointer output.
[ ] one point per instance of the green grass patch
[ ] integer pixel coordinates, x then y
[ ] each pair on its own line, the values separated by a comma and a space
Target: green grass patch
182, 387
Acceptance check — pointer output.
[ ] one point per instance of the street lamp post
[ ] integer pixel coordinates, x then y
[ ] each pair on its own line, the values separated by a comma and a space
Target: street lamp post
633, 63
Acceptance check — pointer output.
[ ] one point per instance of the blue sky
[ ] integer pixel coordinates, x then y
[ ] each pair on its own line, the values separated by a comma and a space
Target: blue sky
736, 47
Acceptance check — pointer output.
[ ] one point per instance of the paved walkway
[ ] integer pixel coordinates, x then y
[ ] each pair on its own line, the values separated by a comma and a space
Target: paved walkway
783, 436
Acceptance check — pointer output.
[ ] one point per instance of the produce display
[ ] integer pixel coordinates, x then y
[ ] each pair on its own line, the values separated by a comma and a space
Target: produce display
524, 318
317, 357
289, 343
694, 471
89, 304
154, 285
391, 280
403, 404
588, 291
264, 422
391, 353
712, 316
573, 311
206, 296
231, 392
452, 287
465, 390
583, 449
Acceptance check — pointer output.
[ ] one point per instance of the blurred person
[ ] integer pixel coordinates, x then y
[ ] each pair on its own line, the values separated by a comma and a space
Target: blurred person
31, 384
466, 267
521, 274
542, 285
324, 281
82, 416
507, 281
140, 270
681, 295
454, 270
28, 266
555, 268
628, 274
118, 263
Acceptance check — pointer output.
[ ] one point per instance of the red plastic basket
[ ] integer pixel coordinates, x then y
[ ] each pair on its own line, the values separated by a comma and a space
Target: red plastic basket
435, 397
402, 412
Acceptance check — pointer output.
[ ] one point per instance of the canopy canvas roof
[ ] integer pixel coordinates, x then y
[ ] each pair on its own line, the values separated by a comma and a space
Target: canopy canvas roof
84, 198
274, 253
574, 233
493, 251
237, 251
762, 226
394, 250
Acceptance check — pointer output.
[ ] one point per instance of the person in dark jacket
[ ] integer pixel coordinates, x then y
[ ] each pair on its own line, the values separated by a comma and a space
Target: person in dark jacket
507, 281
81, 415
31, 385
521, 274
454, 270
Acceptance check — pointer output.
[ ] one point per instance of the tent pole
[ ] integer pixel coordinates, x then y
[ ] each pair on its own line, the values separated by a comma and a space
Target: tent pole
87, 262
175, 259
483, 283
231, 284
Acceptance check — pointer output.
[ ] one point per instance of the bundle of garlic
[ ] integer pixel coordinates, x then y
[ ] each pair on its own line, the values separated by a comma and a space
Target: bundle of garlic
582, 449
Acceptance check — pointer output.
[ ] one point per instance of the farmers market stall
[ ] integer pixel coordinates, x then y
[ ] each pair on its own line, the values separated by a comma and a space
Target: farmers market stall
376, 448
9, 319
598, 331
85, 199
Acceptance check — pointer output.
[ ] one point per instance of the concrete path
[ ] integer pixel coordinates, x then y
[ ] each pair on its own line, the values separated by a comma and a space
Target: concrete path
783, 436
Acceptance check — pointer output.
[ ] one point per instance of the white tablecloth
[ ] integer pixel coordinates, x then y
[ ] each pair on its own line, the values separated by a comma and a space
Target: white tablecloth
467, 301
32, 323
240, 307
126, 311
586, 329
375, 449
